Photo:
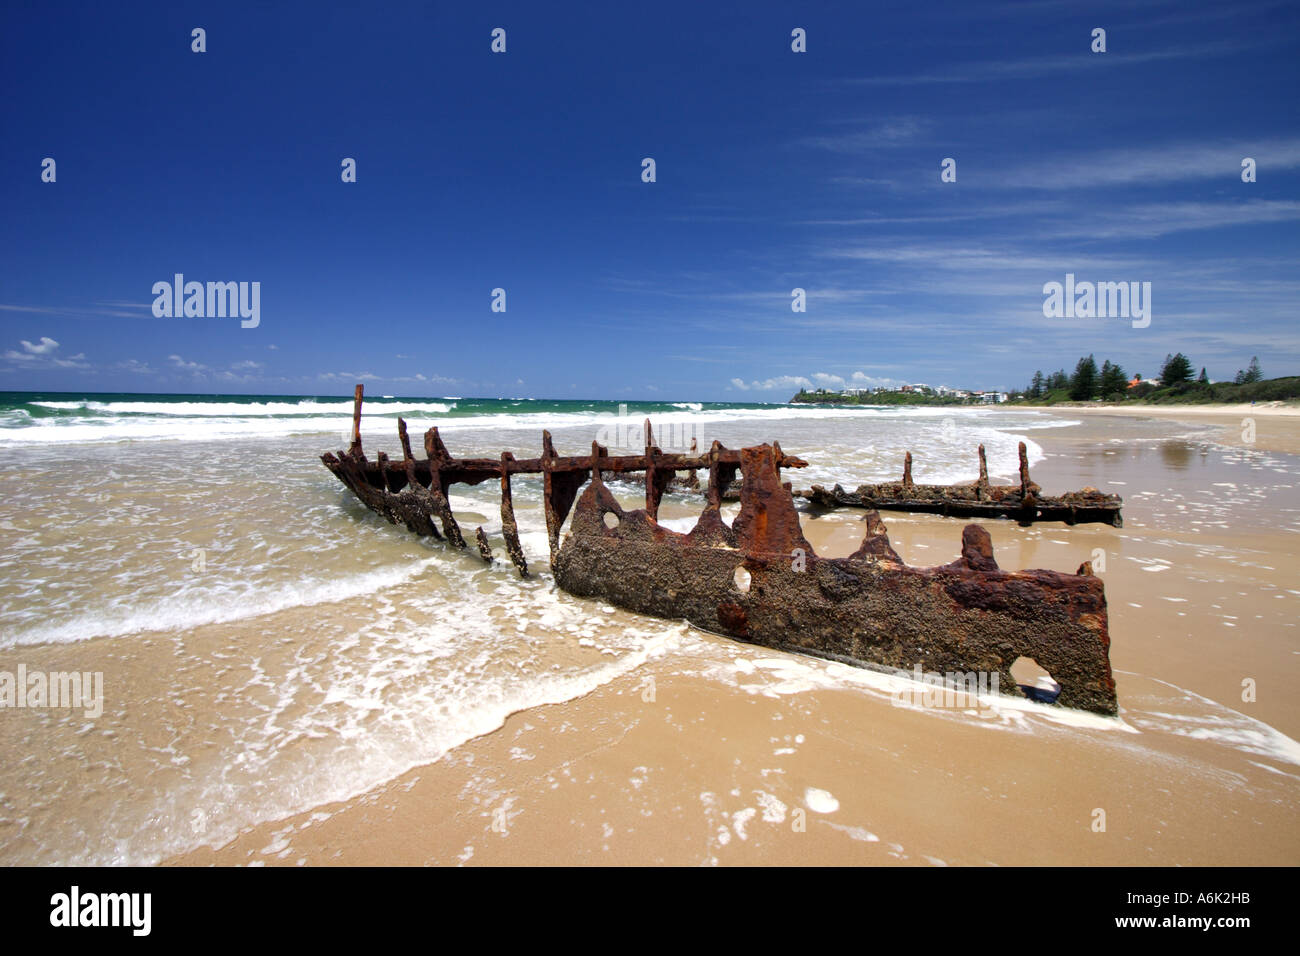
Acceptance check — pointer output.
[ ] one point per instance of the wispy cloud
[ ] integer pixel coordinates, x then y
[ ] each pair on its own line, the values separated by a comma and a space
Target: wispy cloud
827, 380
119, 310
419, 378
981, 259
43, 353
1150, 220
243, 372
1154, 166
785, 382
1065, 62
181, 363
903, 131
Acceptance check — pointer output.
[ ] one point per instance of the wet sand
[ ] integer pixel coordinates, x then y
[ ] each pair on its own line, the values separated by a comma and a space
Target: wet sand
1268, 426
716, 752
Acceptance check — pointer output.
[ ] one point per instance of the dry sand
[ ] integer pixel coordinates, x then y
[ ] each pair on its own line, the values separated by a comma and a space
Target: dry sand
720, 752
1268, 426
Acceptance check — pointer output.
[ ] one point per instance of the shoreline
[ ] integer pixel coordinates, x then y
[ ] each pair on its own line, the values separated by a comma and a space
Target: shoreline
1266, 427
710, 751
1170, 410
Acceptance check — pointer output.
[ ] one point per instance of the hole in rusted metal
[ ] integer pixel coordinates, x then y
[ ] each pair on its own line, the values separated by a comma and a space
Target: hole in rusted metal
1034, 682
742, 579
611, 520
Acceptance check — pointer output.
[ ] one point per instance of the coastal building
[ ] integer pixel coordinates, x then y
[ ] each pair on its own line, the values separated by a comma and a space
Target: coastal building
1138, 380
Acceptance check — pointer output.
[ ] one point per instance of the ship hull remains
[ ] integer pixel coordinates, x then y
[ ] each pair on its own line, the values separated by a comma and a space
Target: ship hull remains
758, 579
761, 582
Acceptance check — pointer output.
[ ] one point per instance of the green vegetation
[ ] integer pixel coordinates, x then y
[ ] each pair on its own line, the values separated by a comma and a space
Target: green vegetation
822, 397
1248, 377
1177, 370
1176, 385
1085, 382
1270, 390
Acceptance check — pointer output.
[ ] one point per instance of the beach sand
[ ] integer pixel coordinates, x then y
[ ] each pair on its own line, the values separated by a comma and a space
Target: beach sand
1268, 426
717, 752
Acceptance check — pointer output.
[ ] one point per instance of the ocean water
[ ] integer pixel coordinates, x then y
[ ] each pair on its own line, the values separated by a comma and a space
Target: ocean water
854, 444
269, 646
164, 484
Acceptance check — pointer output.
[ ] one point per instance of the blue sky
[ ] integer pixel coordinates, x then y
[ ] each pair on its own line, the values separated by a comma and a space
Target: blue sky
522, 171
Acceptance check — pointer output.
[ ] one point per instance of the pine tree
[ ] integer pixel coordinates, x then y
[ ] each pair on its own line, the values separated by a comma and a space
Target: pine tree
1203, 379
1177, 370
1253, 374
1113, 380
1083, 384
1036, 386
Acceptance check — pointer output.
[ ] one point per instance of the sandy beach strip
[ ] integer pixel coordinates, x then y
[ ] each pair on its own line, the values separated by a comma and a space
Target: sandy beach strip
1276, 425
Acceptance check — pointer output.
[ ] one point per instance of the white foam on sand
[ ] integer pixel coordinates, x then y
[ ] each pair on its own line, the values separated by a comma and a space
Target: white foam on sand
820, 801
861, 834
781, 676
197, 605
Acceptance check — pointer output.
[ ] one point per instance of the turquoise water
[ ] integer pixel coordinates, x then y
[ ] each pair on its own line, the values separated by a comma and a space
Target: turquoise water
22, 409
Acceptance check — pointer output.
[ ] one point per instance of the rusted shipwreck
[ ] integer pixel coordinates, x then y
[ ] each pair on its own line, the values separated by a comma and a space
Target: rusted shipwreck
1023, 502
758, 579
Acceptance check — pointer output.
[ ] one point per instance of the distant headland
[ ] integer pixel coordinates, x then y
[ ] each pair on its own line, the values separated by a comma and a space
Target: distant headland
1177, 384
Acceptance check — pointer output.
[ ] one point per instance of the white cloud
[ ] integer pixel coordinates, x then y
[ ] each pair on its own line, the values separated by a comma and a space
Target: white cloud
772, 384
1049, 64
348, 376
1178, 162
863, 380
42, 354
825, 380
1150, 220
45, 347
187, 366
